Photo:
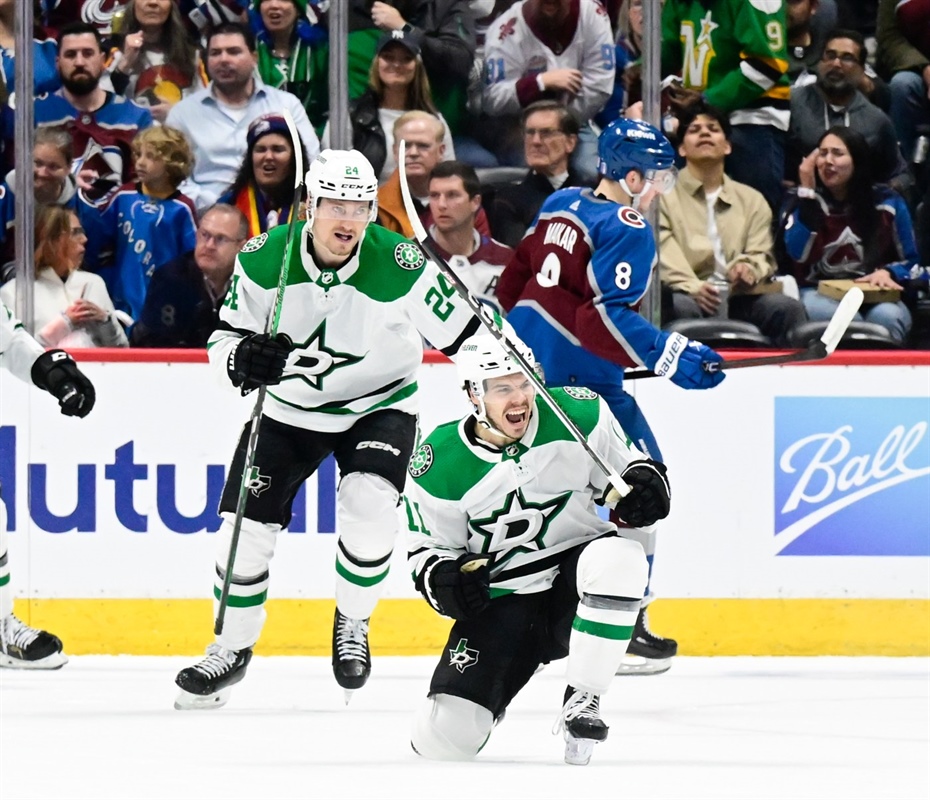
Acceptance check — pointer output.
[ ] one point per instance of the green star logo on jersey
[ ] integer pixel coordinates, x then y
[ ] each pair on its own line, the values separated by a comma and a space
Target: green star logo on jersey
518, 526
408, 256
315, 360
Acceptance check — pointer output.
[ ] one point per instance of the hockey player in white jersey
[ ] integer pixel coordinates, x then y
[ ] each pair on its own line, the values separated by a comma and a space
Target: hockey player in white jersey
341, 374
504, 537
21, 646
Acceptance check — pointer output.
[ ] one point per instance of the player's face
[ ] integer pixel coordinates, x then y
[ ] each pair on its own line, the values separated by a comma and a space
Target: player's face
452, 208
151, 13
834, 164
704, 140
218, 241
546, 148
229, 62
271, 159
80, 63
337, 228
424, 150
278, 15
49, 170
508, 403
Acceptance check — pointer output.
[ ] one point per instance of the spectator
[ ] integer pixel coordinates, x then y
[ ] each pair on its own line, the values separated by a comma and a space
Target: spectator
291, 52
397, 83
156, 62
424, 135
445, 31
560, 50
733, 53
53, 183
145, 224
264, 188
216, 119
805, 41
550, 135
72, 307
904, 59
715, 231
183, 302
454, 203
839, 224
101, 123
627, 61
835, 100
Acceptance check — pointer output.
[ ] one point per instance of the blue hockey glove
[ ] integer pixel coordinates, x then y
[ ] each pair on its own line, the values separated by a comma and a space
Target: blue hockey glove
686, 363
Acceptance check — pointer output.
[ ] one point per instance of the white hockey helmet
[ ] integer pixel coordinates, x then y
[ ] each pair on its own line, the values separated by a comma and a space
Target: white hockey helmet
342, 175
481, 357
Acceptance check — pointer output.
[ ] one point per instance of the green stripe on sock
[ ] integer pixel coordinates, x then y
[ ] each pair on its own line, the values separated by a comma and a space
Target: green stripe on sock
4, 580
242, 602
602, 629
357, 579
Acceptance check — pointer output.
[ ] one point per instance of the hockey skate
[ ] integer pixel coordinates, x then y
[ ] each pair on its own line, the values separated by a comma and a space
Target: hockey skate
208, 684
582, 723
351, 656
647, 654
22, 647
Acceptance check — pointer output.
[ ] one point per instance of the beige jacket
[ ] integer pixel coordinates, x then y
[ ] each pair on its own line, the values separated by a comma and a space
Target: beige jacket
686, 254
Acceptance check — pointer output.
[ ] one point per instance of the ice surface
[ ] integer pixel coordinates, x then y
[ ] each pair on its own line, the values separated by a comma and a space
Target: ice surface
104, 727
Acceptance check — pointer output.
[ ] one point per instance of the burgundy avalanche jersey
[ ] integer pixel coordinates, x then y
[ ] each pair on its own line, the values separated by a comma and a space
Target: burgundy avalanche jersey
574, 285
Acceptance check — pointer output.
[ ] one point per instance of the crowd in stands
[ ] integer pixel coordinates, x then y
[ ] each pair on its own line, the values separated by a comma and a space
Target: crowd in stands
801, 126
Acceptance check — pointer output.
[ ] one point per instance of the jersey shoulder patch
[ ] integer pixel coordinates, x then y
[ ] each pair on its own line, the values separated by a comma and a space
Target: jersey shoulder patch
408, 256
261, 256
574, 401
630, 216
389, 265
421, 460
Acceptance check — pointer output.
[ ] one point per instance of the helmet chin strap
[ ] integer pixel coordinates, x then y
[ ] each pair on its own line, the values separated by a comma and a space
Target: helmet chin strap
481, 412
635, 196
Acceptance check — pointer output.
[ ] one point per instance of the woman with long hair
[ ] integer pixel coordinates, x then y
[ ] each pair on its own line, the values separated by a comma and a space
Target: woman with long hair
155, 61
397, 83
72, 307
840, 224
264, 187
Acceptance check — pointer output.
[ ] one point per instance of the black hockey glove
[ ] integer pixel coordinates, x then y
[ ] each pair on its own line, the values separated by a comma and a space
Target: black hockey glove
56, 372
258, 360
460, 590
650, 495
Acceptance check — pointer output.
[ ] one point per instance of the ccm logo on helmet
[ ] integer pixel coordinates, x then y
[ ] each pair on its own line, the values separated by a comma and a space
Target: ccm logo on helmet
378, 446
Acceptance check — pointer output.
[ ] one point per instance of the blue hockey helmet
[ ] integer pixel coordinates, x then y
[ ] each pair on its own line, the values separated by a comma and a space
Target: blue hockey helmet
627, 144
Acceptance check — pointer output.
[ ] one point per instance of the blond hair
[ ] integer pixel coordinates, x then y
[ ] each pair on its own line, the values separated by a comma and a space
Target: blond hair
171, 146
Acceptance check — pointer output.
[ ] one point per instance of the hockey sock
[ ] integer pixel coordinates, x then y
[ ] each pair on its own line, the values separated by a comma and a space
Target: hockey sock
600, 635
359, 583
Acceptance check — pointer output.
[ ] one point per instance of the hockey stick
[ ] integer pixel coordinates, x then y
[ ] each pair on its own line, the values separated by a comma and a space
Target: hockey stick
815, 351
271, 328
481, 311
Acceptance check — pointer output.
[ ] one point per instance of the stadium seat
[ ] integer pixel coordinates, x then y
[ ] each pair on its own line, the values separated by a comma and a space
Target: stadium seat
721, 333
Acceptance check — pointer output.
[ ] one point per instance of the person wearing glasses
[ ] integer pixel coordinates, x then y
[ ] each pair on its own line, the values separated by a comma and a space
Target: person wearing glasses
550, 136
72, 307
835, 99
182, 305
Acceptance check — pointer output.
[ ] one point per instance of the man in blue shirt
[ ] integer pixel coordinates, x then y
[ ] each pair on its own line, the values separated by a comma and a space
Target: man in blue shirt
216, 119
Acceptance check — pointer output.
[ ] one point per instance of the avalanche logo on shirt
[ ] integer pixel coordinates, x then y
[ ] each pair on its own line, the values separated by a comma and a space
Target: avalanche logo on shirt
630, 216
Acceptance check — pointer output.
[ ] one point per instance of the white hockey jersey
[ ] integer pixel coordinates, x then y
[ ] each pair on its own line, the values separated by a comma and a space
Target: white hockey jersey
18, 350
523, 506
356, 330
513, 53
480, 271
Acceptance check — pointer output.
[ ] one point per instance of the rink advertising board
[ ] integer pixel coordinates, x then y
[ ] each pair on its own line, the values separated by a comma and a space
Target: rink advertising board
801, 513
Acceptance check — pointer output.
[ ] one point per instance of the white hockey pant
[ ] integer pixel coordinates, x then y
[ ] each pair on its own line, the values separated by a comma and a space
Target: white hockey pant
366, 517
245, 614
6, 590
611, 578
647, 538
448, 728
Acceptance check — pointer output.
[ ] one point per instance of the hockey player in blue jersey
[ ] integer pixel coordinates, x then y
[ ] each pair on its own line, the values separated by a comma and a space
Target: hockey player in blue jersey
573, 290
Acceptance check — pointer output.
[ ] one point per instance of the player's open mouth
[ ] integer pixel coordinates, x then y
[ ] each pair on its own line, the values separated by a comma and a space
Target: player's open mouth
515, 417
344, 237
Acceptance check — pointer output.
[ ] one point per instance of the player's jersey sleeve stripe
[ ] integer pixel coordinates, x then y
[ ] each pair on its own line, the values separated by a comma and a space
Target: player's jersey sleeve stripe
470, 330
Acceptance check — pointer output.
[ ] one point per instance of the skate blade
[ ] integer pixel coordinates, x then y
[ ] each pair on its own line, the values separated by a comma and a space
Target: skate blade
637, 665
186, 701
578, 751
54, 661
347, 695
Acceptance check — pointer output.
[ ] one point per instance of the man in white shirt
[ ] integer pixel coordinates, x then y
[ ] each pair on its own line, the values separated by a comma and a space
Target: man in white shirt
216, 119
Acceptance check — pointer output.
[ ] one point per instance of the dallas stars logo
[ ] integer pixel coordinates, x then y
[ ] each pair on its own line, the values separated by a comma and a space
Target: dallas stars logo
463, 656
408, 256
257, 483
519, 526
315, 360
